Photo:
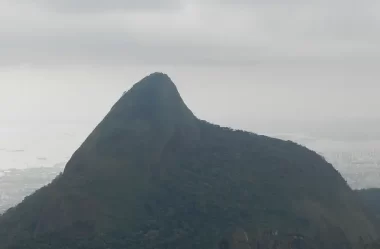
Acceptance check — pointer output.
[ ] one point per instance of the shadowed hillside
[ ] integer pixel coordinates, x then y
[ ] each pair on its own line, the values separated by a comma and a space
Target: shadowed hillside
152, 175
371, 200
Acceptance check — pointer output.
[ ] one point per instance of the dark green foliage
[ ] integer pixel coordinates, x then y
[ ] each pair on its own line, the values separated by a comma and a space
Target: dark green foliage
152, 175
371, 199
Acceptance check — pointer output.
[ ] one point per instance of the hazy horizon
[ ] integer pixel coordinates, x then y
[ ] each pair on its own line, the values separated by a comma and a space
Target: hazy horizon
309, 69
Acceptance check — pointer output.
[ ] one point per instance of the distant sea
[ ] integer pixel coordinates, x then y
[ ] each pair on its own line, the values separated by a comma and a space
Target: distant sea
34, 145
31, 155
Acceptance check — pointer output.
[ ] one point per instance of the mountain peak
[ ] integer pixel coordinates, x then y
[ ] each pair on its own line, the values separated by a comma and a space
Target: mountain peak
154, 87
158, 81
154, 95
158, 76
151, 175
151, 113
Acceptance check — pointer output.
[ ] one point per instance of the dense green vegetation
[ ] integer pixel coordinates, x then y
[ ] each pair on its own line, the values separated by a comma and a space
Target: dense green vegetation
371, 199
152, 175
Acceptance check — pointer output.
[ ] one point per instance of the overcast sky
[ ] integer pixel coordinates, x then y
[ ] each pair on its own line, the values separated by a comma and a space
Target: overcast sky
236, 62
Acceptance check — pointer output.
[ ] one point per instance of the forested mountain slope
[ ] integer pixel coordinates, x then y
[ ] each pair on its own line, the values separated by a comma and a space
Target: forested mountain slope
152, 175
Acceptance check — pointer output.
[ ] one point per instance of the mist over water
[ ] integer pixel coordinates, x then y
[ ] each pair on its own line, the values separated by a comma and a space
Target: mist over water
32, 145
33, 154
357, 160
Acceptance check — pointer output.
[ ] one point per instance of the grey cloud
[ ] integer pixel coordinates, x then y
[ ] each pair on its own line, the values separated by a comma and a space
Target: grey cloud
341, 3
88, 6
195, 33
111, 48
